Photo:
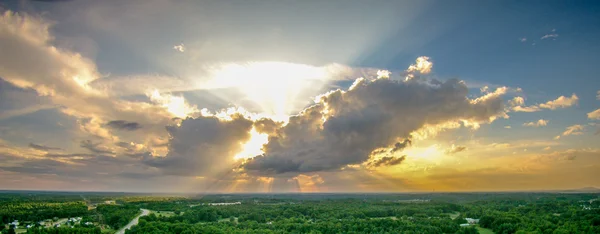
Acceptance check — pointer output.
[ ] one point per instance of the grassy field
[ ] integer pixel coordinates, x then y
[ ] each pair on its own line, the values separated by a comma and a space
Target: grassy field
454, 215
390, 217
484, 230
228, 220
20, 230
163, 213
109, 230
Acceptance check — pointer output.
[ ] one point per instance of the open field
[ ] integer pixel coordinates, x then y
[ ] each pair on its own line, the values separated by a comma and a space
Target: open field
163, 213
484, 230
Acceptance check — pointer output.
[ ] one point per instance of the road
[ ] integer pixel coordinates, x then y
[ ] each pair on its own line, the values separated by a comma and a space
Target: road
133, 222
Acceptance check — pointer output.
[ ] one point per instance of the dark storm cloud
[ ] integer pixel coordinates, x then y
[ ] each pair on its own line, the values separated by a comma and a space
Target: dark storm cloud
369, 116
43, 147
202, 145
267, 126
44, 166
123, 125
387, 161
94, 147
400, 145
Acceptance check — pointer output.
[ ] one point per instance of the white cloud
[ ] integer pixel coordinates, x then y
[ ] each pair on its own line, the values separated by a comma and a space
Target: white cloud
573, 130
507, 127
422, 65
516, 101
594, 114
180, 47
560, 102
538, 123
551, 35
523, 39
383, 74
598, 95
557, 137
526, 109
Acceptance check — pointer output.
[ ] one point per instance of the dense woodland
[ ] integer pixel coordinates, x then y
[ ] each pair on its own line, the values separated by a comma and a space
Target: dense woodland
314, 213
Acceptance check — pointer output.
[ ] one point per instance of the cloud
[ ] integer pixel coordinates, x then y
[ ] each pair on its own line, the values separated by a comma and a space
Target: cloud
386, 161
517, 101
560, 102
523, 39
507, 127
598, 95
180, 48
123, 125
551, 35
422, 65
565, 155
344, 127
455, 149
203, 146
16, 101
95, 147
594, 114
517, 105
526, 109
538, 123
573, 130
383, 74
43, 147
63, 77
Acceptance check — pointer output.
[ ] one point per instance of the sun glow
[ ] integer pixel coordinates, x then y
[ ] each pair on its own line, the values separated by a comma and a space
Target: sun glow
431, 153
253, 147
176, 105
276, 88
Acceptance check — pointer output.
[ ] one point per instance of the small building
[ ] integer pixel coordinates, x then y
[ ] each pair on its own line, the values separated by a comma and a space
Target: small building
465, 224
14, 223
472, 221
224, 203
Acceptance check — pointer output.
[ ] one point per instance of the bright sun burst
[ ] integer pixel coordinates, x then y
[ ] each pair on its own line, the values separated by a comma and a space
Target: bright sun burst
273, 86
252, 147
431, 153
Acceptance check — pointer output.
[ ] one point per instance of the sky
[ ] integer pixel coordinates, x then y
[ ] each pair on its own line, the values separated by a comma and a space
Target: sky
299, 96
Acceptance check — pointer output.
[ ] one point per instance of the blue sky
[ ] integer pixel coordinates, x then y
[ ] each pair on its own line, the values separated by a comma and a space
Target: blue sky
159, 63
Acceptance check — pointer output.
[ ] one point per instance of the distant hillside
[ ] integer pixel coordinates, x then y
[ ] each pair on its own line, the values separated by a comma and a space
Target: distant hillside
584, 190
